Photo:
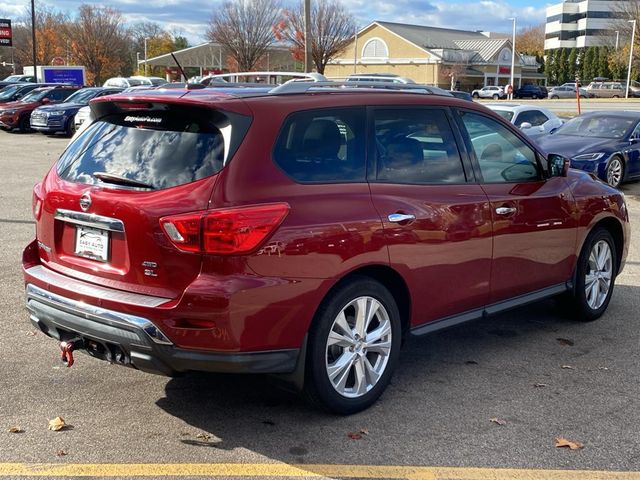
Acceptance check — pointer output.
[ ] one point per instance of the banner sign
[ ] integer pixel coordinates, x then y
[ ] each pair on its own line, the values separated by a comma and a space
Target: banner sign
5, 33
66, 75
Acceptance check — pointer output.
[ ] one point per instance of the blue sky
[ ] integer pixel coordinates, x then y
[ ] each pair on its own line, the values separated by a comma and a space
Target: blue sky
189, 17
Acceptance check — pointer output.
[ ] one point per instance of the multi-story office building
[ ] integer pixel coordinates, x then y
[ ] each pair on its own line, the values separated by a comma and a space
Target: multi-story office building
581, 23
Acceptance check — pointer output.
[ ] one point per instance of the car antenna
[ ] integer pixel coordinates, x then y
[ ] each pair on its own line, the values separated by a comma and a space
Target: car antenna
184, 75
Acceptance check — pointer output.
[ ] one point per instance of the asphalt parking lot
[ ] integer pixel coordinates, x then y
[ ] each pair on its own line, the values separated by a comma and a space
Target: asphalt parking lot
536, 374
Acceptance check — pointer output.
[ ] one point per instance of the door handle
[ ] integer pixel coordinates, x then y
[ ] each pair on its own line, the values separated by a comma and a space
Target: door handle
505, 210
401, 217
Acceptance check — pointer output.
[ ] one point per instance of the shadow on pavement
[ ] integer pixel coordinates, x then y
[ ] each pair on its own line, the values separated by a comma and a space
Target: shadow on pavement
439, 403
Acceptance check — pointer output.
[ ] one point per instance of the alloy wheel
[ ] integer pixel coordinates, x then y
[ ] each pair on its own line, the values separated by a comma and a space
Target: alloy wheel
358, 347
597, 280
614, 172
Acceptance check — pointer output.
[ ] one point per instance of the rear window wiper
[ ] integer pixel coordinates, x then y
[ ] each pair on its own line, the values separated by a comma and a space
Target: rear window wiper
120, 180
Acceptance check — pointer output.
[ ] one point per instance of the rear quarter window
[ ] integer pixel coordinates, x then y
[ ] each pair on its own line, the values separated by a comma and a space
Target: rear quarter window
160, 149
323, 146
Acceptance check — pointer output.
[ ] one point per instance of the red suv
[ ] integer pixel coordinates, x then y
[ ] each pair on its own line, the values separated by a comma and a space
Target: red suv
305, 231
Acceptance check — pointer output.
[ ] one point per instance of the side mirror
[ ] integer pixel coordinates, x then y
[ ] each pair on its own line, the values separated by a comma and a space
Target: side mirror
524, 125
634, 140
558, 166
553, 130
46, 100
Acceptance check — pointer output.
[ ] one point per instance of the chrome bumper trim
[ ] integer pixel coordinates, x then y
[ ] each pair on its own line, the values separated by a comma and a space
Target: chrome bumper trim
78, 286
89, 220
93, 313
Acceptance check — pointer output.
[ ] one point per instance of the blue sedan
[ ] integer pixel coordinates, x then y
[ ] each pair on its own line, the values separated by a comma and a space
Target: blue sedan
52, 119
606, 144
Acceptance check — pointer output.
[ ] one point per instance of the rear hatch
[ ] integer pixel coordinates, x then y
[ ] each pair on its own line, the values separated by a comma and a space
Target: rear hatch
140, 161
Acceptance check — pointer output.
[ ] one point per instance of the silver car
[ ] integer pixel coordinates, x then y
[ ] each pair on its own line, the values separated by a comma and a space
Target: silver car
567, 92
489, 92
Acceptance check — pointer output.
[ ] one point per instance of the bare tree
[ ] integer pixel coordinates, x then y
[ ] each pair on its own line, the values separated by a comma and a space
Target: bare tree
100, 41
244, 28
332, 28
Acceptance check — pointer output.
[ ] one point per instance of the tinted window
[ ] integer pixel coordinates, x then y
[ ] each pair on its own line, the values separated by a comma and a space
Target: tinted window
161, 149
534, 117
58, 94
82, 96
416, 146
501, 155
323, 145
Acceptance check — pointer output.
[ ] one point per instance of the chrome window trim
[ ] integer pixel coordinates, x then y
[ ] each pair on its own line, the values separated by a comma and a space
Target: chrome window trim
90, 220
94, 313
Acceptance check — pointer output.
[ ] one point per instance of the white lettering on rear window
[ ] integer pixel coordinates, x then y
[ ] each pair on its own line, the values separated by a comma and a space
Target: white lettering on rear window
142, 119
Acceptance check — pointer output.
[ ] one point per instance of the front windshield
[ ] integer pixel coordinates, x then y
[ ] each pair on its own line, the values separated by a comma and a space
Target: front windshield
138, 81
82, 96
8, 92
506, 114
34, 96
601, 126
12, 78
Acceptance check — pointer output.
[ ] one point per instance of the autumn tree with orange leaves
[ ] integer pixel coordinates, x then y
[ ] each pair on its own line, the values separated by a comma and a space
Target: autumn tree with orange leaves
100, 42
331, 29
49, 41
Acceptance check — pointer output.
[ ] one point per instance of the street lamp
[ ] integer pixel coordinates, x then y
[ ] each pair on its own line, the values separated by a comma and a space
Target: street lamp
633, 39
138, 62
617, 39
513, 54
145, 56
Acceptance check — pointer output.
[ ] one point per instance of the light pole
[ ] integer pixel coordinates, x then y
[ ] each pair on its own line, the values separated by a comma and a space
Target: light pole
513, 55
617, 39
145, 56
307, 36
138, 62
33, 40
633, 39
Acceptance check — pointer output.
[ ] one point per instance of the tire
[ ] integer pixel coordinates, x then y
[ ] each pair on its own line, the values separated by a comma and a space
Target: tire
476, 96
23, 124
591, 274
554, 97
495, 96
615, 171
71, 126
349, 389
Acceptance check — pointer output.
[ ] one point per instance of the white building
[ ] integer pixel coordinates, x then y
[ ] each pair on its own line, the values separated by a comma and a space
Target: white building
581, 23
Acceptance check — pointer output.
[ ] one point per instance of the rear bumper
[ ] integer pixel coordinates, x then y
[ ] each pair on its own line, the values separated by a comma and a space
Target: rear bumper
136, 342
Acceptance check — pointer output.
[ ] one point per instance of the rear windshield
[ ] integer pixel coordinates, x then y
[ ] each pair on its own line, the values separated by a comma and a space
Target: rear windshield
155, 149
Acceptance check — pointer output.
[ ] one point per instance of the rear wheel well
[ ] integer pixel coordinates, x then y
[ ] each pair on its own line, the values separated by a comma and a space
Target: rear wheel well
615, 229
392, 281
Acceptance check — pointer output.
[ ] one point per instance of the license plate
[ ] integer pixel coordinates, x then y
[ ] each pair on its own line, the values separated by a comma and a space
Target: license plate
92, 243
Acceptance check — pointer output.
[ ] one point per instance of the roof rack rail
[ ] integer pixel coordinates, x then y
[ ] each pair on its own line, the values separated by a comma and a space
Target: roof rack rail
305, 86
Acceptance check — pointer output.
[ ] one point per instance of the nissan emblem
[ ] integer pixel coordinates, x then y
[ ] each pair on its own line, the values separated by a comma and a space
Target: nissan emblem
85, 202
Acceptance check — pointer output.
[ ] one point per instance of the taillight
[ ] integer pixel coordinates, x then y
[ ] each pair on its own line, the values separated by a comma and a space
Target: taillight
225, 231
36, 201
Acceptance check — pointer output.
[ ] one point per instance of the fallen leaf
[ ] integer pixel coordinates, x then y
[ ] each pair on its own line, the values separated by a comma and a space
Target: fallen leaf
204, 436
568, 367
364, 431
61, 453
540, 385
603, 368
354, 435
498, 421
57, 424
562, 442
16, 430
269, 422
565, 342
471, 362
31, 334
